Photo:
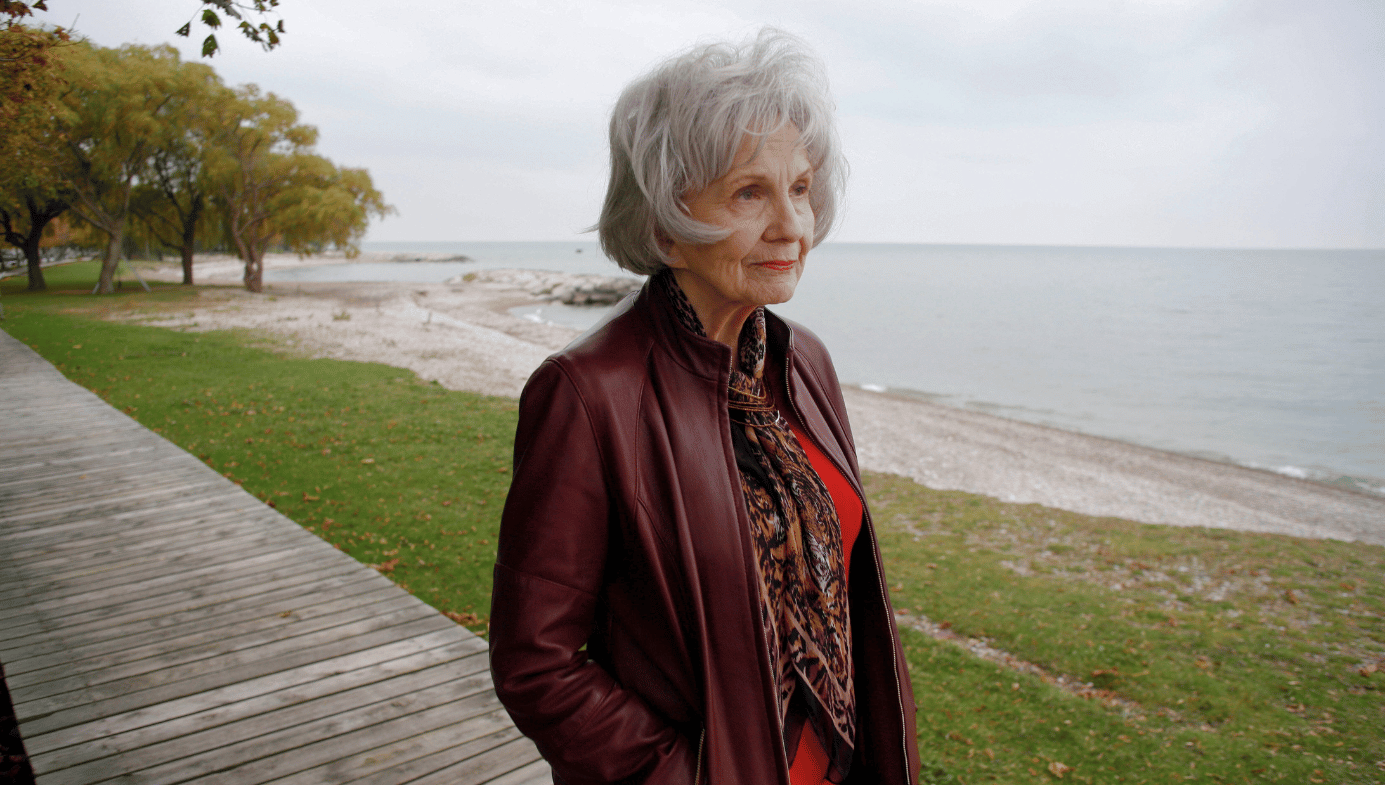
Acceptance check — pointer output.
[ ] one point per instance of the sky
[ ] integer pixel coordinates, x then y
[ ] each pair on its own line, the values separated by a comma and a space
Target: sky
1185, 123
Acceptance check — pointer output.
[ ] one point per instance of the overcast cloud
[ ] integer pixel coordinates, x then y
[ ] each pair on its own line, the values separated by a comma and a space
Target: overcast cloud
1175, 123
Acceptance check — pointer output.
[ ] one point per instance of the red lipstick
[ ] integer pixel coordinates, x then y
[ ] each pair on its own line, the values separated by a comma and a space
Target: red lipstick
779, 266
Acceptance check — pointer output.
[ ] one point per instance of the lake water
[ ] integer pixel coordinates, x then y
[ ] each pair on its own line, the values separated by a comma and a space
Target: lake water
1272, 359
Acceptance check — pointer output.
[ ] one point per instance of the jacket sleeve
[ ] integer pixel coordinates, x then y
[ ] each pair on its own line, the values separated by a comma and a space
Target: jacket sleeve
548, 576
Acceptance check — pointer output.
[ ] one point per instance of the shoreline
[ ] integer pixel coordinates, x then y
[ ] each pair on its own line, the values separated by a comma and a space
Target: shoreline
461, 335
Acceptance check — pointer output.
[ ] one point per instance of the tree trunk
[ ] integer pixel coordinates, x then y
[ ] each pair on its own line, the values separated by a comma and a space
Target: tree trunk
254, 269
112, 258
253, 254
34, 258
187, 264
190, 237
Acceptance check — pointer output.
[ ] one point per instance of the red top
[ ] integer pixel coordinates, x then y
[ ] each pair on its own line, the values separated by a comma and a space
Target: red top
810, 763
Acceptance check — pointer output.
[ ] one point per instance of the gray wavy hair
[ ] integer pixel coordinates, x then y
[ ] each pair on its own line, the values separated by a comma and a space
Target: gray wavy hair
677, 129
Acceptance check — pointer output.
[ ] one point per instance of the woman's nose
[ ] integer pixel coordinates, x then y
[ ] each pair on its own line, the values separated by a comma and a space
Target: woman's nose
789, 220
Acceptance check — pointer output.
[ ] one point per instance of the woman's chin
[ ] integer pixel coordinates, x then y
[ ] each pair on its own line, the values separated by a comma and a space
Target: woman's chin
772, 287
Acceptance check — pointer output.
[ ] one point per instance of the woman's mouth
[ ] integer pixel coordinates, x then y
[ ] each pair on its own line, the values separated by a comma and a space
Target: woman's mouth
779, 266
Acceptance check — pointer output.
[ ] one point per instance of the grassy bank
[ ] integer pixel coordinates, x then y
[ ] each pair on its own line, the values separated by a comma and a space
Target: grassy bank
1211, 656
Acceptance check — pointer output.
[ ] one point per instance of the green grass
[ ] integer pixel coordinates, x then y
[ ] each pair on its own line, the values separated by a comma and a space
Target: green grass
1216, 656
1231, 656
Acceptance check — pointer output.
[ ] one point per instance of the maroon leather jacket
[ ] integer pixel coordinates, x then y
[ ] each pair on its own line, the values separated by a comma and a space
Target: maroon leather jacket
625, 624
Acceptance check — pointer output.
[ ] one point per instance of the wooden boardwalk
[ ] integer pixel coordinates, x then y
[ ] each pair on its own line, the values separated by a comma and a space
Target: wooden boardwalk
158, 624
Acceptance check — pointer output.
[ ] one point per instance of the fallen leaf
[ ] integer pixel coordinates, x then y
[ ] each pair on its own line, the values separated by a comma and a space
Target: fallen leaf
1368, 669
285, 614
308, 498
368, 460
464, 619
957, 737
386, 566
1058, 769
1289, 597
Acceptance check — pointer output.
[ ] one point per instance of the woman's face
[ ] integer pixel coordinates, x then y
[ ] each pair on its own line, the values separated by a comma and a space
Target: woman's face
763, 201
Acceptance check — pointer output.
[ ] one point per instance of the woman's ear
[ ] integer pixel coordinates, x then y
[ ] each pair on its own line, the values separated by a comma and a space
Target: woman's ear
669, 248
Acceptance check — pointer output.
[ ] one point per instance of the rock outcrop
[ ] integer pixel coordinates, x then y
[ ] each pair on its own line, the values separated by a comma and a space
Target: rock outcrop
568, 288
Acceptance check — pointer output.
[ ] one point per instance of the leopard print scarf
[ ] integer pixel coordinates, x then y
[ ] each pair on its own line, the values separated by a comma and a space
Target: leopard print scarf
798, 539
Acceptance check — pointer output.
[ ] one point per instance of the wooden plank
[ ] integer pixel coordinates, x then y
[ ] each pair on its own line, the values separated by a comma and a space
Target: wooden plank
412, 758
92, 536
179, 665
267, 629
114, 565
71, 533
167, 701
512, 763
266, 623
115, 561
211, 561
257, 754
141, 595
89, 599
210, 674
193, 594
212, 708
128, 631
227, 724
107, 535
110, 498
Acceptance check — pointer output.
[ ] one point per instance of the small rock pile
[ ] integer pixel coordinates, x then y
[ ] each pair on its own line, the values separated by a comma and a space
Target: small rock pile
567, 288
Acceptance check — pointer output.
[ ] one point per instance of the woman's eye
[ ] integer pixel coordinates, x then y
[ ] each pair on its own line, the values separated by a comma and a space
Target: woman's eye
746, 194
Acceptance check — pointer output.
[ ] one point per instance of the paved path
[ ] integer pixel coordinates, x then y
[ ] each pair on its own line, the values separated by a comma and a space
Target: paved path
158, 624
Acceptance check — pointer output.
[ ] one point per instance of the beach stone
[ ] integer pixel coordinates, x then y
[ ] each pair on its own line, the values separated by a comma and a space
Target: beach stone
566, 288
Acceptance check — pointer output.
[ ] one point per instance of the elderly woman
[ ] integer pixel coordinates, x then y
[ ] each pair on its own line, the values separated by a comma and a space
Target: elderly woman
688, 587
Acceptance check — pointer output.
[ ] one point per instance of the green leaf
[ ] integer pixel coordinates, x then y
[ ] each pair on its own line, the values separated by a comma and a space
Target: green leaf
210, 19
209, 46
185, 30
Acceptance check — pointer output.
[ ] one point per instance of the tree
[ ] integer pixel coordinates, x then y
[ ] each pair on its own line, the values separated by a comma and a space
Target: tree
111, 120
32, 191
174, 195
274, 187
39, 211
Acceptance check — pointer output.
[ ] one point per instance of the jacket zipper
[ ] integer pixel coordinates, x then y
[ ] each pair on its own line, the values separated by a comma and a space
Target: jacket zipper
884, 599
697, 773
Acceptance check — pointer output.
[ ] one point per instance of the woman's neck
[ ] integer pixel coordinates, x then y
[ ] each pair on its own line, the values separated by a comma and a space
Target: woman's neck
721, 320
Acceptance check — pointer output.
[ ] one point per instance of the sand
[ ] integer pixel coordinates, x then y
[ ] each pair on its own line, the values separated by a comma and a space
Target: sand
461, 335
